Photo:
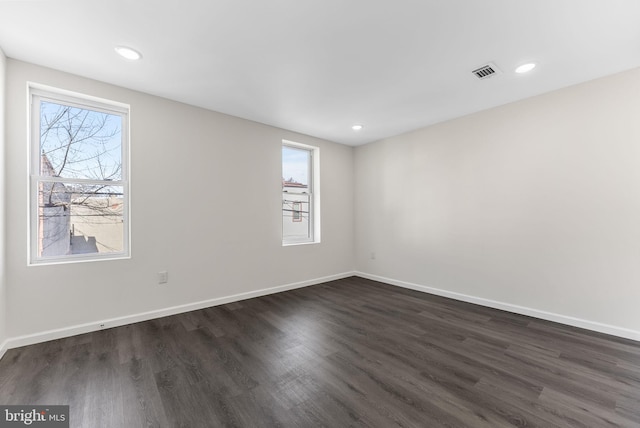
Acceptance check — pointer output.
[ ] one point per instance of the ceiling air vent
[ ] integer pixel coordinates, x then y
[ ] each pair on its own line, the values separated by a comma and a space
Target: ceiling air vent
485, 71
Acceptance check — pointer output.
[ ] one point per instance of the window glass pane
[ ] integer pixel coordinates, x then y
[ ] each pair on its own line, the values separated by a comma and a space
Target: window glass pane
295, 217
80, 143
296, 194
79, 219
296, 167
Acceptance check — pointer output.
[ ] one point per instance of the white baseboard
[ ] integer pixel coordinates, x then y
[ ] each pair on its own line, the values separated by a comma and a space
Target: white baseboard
44, 336
59, 333
4, 346
522, 310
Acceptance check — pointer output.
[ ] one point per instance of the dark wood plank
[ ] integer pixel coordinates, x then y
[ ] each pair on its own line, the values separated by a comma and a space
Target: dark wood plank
351, 352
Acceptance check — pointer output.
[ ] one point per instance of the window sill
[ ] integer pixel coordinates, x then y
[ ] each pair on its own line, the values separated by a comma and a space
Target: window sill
293, 244
49, 262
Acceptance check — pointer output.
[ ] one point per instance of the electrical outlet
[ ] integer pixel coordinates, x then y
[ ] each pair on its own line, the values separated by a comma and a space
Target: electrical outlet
163, 277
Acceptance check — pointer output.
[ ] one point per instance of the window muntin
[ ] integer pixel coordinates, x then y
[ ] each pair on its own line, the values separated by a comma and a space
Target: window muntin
79, 187
298, 197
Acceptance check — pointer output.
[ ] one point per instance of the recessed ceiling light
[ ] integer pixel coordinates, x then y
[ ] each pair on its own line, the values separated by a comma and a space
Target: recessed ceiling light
525, 68
357, 127
128, 53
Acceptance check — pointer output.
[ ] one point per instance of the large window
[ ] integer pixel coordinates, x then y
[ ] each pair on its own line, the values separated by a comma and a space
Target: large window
300, 196
78, 178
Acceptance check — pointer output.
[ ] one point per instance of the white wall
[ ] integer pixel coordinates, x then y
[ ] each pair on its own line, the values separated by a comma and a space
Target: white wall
532, 206
188, 166
3, 302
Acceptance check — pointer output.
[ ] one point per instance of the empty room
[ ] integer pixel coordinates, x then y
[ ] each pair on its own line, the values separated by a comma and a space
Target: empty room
319, 213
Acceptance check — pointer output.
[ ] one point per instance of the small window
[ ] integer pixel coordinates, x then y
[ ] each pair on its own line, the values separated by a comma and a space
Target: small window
300, 198
78, 178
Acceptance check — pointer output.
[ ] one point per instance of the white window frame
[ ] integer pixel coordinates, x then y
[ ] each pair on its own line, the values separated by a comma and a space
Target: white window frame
313, 189
36, 94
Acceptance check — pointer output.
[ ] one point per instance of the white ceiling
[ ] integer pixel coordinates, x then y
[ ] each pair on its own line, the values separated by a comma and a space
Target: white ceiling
319, 66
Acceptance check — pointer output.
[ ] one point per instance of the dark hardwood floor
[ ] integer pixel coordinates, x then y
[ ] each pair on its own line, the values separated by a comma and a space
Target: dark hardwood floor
346, 353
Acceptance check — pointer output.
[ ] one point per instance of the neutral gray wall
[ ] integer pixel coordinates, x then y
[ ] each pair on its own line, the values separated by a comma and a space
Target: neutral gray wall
3, 302
534, 204
206, 206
